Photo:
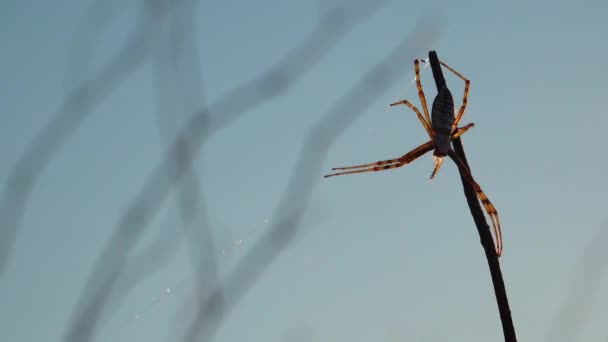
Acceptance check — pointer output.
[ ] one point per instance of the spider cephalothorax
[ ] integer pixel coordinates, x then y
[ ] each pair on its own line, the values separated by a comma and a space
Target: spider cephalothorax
442, 128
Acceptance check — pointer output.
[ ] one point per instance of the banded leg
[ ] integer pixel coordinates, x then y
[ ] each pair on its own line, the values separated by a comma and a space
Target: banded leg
438, 162
426, 125
465, 98
386, 164
425, 108
439, 159
485, 201
398, 162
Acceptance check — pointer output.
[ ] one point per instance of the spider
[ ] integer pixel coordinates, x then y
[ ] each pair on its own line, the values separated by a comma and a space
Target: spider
442, 128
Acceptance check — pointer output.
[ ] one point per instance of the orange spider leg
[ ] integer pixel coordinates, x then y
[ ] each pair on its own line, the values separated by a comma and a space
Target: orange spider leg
485, 201
427, 126
438, 162
397, 162
425, 108
465, 99
386, 164
426, 120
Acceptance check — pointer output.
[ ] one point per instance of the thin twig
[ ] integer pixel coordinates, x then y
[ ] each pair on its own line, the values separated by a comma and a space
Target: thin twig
480, 220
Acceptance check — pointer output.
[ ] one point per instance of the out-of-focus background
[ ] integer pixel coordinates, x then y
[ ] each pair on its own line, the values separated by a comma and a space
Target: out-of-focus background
97, 243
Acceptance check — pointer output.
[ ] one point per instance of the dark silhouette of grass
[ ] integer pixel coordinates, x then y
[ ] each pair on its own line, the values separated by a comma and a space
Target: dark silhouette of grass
179, 92
111, 266
480, 220
77, 105
119, 268
306, 174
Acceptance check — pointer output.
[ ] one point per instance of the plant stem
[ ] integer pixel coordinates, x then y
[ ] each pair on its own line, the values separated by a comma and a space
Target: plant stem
480, 221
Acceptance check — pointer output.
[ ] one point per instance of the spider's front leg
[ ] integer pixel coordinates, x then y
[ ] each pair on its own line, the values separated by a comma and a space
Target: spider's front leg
426, 119
427, 125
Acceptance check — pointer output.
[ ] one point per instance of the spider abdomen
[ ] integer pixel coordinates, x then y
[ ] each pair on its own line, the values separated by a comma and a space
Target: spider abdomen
442, 119
442, 113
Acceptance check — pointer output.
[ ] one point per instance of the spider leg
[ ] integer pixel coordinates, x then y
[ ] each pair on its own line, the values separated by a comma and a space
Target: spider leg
465, 98
485, 201
425, 108
438, 163
426, 125
386, 164
460, 131
398, 162
426, 120
439, 159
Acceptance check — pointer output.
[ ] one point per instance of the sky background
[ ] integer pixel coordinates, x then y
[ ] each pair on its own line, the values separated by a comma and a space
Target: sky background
385, 256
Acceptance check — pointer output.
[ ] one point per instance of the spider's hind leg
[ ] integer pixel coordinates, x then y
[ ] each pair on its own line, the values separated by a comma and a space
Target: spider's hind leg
385, 164
485, 201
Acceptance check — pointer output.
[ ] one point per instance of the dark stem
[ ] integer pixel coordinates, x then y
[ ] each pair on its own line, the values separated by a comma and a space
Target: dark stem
480, 221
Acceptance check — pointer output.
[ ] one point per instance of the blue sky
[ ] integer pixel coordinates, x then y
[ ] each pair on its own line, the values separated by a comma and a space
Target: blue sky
395, 256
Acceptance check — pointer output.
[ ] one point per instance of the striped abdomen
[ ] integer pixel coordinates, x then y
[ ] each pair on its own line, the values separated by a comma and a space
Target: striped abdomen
442, 119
